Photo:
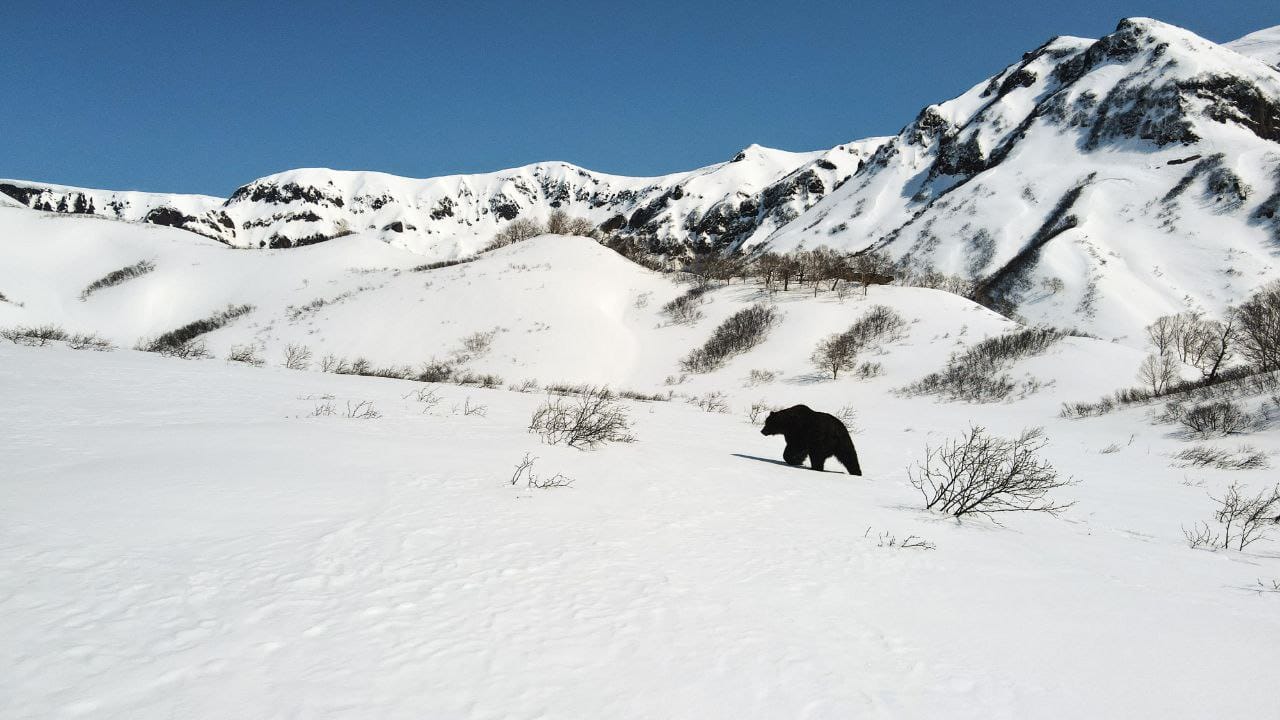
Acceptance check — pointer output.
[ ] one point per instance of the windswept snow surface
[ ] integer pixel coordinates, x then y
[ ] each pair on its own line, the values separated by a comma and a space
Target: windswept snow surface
181, 539
1262, 45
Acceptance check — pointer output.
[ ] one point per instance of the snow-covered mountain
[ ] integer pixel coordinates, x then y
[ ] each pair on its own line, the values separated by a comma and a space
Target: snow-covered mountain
725, 205
1090, 178
1096, 183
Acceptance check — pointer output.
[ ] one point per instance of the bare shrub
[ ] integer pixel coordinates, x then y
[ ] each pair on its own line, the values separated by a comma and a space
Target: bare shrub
868, 370
1224, 417
524, 471
362, 410
582, 421
442, 264
189, 350
977, 375
34, 335
761, 377
758, 409
245, 354
331, 363
562, 223
470, 409
487, 381
643, 396
297, 357
685, 310
981, 474
527, 385
737, 334
437, 371
889, 540
89, 341
1245, 457
1245, 520
116, 277
714, 402
323, 409
479, 343
427, 396
167, 342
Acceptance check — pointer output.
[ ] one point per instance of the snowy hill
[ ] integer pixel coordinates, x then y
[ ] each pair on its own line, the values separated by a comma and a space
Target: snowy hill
1262, 45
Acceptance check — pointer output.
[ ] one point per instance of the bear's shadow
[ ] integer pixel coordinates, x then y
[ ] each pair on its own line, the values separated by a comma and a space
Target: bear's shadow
805, 467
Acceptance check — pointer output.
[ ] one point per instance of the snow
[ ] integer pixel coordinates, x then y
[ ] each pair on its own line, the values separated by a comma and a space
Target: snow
1262, 45
181, 539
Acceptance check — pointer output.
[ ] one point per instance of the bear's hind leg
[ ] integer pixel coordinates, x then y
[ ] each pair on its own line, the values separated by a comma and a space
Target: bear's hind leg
849, 458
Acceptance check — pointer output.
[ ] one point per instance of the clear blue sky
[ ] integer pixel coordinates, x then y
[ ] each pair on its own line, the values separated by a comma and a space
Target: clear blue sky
191, 97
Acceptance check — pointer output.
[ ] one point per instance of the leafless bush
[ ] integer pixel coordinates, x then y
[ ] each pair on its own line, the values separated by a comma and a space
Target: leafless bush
1245, 457
245, 354
436, 371
331, 363
89, 341
737, 334
848, 414
642, 300
978, 374
527, 385
297, 357
582, 421
470, 409
760, 377
715, 402
868, 370
479, 343
524, 470
980, 474
487, 381
362, 410
561, 223
757, 410
323, 409
1223, 417
889, 540
116, 277
189, 350
643, 396
685, 309
427, 396
1243, 520
34, 335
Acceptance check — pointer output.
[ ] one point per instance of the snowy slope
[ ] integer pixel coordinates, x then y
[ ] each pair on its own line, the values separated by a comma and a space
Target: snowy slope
180, 539
1262, 45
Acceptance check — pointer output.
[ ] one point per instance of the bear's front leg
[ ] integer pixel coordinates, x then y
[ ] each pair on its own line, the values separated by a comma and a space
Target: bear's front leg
794, 454
817, 462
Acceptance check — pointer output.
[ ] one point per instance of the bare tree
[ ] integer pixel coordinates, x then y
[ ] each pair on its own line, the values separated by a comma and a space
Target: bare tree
1258, 320
1158, 372
980, 474
517, 230
1245, 520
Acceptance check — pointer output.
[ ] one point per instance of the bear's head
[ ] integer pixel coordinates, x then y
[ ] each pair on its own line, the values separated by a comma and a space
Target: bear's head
775, 424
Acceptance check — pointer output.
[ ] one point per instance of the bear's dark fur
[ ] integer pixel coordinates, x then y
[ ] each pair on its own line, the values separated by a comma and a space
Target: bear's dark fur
817, 435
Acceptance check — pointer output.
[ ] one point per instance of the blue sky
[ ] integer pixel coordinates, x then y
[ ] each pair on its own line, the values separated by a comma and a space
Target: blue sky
190, 97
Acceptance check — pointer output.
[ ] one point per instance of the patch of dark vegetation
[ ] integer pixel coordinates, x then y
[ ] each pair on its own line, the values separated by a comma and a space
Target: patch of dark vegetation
173, 341
737, 334
116, 277
840, 351
442, 264
1245, 457
271, 192
1234, 382
686, 309
978, 374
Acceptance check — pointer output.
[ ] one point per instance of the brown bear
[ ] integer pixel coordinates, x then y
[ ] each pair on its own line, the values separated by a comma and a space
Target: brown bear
817, 435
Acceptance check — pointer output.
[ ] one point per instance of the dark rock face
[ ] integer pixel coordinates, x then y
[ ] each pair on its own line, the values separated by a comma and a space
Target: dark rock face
170, 217
270, 192
396, 226
503, 207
